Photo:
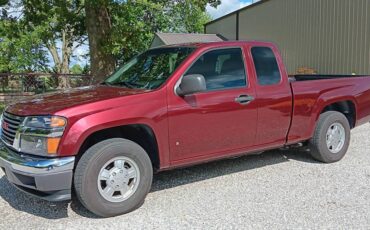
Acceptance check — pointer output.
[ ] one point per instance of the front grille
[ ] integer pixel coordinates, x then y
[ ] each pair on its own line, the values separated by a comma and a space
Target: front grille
9, 127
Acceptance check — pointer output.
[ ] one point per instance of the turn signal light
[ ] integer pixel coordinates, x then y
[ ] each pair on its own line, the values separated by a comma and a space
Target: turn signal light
57, 122
53, 144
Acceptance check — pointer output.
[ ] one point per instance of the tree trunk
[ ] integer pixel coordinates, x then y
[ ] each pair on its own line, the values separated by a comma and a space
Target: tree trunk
98, 27
66, 56
61, 64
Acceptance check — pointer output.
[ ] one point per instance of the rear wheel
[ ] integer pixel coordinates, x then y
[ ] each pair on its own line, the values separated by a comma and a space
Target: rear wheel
113, 177
331, 138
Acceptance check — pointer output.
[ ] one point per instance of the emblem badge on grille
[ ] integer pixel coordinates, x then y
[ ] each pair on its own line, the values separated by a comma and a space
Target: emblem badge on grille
5, 125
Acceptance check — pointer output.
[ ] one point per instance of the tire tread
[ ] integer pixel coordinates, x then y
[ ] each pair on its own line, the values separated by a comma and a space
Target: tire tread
80, 174
318, 147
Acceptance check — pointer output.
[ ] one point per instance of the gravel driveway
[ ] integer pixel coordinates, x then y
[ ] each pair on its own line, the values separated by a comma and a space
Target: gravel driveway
274, 190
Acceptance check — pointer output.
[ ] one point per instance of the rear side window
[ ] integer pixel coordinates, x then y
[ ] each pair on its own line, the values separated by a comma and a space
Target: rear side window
267, 68
222, 69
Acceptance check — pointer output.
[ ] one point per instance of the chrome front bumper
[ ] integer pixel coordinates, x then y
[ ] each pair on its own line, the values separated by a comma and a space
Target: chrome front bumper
46, 178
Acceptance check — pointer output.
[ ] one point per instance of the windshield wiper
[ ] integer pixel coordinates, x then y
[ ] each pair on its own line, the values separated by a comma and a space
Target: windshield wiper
125, 83
106, 83
131, 84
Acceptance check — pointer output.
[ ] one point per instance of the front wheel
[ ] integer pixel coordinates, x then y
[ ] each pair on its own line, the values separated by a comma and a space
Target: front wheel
331, 138
113, 177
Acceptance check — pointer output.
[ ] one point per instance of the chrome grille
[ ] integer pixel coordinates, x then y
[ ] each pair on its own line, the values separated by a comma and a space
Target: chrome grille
9, 127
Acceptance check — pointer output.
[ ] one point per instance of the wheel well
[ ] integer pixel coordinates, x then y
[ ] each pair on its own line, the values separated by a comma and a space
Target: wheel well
143, 135
347, 108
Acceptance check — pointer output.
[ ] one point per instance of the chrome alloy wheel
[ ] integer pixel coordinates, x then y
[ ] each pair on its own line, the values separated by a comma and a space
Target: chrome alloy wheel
335, 137
118, 179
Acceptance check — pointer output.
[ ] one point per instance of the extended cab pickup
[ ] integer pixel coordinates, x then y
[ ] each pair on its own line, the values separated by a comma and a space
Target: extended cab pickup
171, 107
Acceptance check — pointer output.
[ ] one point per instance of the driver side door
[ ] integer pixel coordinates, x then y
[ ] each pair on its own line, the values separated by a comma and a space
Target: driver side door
218, 121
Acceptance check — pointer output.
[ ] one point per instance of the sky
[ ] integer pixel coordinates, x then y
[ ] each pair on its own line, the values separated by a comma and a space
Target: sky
227, 6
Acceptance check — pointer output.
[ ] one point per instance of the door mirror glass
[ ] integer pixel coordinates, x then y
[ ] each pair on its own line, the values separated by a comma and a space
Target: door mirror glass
191, 84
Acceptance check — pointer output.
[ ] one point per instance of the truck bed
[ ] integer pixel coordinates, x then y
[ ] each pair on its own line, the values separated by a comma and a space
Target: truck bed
323, 77
312, 92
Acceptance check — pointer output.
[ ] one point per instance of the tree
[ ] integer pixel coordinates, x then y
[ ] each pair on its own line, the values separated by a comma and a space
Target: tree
31, 28
76, 69
58, 22
21, 51
116, 30
99, 26
119, 29
188, 16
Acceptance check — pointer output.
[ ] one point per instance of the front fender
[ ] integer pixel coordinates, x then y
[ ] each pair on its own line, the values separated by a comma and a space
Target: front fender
86, 126
152, 113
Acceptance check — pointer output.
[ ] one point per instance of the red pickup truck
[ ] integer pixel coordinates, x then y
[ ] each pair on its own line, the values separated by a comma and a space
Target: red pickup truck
172, 107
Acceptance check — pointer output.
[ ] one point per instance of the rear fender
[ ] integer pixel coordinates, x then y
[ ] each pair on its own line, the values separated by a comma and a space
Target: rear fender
323, 101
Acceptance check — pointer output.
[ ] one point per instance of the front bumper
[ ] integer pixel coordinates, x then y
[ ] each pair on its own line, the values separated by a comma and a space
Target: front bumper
46, 178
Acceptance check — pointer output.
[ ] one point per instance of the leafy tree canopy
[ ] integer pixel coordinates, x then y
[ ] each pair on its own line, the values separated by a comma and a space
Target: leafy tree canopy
127, 27
32, 31
134, 23
21, 51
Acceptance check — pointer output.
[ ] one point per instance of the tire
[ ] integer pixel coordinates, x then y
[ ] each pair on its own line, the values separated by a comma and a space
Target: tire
89, 187
319, 144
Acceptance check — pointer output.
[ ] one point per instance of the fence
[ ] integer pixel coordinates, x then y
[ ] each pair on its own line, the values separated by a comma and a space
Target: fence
16, 86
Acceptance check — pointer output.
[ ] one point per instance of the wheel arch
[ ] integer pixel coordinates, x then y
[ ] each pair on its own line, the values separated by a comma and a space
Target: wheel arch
346, 107
141, 134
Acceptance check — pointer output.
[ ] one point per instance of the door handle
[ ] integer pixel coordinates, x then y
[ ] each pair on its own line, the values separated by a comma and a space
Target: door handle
244, 99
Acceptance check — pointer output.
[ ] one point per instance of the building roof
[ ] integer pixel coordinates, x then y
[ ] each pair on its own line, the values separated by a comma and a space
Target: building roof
221, 44
182, 38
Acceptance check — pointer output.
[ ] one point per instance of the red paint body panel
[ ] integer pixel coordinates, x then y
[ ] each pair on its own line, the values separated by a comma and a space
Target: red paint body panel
151, 111
204, 126
311, 97
274, 105
51, 103
209, 123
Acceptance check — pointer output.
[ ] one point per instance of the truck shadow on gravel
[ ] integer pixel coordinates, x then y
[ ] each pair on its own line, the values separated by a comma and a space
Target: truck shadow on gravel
178, 177
162, 181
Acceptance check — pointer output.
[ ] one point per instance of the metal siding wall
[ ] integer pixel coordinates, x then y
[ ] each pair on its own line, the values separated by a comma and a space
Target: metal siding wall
332, 36
226, 27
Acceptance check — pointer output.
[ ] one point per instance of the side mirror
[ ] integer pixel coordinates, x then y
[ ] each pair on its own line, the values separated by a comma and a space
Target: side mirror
191, 84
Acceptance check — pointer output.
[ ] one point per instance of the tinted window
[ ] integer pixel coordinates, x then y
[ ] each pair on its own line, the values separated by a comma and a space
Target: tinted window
267, 68
150, 69
222, 69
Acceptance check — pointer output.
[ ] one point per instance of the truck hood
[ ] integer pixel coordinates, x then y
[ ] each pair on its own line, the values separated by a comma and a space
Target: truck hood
50, 103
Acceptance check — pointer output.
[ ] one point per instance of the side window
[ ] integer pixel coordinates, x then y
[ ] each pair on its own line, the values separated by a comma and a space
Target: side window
267, 68
222, 69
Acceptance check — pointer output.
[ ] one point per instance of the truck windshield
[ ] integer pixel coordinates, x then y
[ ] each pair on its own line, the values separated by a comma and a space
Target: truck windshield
150, 69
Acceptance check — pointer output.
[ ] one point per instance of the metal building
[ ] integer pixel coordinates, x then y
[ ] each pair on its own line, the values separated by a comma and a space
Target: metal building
330, 36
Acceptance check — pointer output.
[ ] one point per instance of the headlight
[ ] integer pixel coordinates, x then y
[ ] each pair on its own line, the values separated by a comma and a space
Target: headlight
41, 135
